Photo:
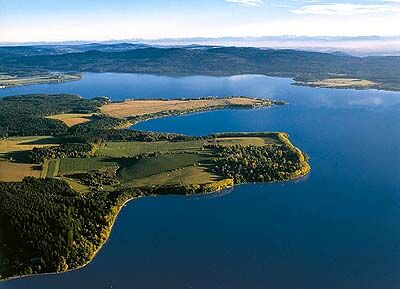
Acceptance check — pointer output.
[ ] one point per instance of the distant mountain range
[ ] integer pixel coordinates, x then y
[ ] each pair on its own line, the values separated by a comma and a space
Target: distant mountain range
359, 46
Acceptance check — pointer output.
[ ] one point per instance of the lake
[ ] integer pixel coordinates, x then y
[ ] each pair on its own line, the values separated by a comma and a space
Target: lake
338, 228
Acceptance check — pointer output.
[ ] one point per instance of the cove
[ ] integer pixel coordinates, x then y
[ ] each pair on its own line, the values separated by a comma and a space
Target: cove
338, 228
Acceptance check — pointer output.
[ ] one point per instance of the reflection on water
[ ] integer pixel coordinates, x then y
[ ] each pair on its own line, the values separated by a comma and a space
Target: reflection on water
338, 228
219, 194
124, 85
368, 101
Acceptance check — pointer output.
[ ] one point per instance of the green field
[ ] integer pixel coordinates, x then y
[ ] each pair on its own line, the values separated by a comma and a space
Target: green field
174, 156
53, 168
76, 165
187, 176
126, 149
142, 168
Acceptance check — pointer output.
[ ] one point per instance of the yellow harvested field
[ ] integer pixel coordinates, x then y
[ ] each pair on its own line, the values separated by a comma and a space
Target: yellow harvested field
15, 172
19, 144
71, 119
342, 82
255, 141
142, 107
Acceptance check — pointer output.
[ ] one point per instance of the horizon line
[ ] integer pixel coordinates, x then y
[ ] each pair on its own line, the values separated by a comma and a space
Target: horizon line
200, 38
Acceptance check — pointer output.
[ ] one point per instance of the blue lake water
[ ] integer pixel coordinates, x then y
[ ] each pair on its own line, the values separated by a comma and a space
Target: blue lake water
339, 228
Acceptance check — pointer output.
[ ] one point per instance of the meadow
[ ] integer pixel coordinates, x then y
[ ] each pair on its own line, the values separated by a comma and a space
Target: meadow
186, 176
77, 165
132, 169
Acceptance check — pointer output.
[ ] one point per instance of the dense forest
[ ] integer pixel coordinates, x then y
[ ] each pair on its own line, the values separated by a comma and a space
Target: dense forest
97, 179
301, 65
251, 163
116, 135
40, 105
48, 227
67, 150
14, 125
24, 115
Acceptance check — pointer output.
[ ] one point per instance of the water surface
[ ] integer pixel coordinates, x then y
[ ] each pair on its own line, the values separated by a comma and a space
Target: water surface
339, 228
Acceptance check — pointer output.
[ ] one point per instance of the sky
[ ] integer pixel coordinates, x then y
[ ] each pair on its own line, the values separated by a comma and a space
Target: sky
52, 20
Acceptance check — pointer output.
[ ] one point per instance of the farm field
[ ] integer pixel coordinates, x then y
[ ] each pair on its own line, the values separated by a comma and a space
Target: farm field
132, 169
257, 141
78, 165
15, 172
14, 161
174, 156
343, 83
131, 108
126, 149
186, 176
71, 119
122, 149
52, 167
13, 145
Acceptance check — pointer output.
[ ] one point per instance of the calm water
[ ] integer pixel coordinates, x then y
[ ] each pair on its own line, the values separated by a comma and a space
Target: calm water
337, 229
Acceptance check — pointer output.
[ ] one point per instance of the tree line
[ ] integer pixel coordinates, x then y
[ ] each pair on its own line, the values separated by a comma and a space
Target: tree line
268, 163
48, 227
24, 115
67, 150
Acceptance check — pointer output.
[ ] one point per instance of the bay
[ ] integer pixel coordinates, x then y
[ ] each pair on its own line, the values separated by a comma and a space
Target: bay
338, 228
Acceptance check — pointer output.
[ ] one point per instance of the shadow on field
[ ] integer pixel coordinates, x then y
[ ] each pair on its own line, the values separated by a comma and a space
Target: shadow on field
19, 157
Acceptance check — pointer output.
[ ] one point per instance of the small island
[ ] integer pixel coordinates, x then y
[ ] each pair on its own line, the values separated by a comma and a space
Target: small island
68, 165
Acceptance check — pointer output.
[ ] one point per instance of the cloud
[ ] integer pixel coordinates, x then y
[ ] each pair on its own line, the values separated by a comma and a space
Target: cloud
253, 3
346, 9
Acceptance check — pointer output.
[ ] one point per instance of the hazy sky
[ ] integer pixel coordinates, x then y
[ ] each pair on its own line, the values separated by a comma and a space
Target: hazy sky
54, 20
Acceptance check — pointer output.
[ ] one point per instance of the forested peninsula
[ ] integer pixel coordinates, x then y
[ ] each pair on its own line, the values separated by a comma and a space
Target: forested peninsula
68, 165
313, 69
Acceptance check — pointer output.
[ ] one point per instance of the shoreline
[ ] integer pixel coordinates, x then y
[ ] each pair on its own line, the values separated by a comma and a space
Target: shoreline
178, 75
302, 173
95, 253
67, 77
193, 112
